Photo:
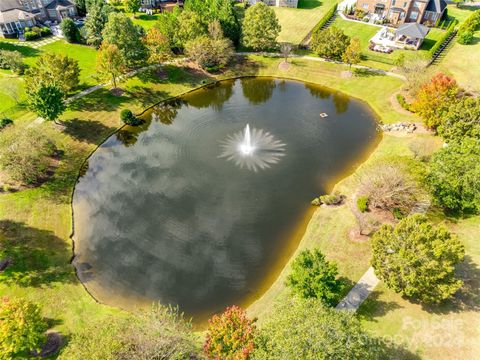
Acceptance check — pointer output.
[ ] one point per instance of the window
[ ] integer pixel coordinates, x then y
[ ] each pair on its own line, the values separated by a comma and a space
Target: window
393, 2
404, 4
417, 4
414, 15
365, 6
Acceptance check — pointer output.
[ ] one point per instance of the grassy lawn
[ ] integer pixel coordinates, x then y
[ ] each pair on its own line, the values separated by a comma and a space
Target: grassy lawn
297, 23
462, 62
375, 59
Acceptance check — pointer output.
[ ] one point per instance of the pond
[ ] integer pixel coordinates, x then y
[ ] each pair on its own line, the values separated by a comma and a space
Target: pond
197, 210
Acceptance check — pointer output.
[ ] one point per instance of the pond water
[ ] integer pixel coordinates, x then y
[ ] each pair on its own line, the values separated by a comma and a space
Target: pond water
165, 212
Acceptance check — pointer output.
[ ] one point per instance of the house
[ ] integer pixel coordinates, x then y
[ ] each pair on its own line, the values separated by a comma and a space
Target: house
15, 15
278, 3
404, 11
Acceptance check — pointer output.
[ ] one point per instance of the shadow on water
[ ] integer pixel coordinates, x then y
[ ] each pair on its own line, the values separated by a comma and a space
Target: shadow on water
205, 97
37, 257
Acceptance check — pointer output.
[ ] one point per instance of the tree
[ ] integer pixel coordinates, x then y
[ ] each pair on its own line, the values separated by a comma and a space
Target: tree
132, 6
414, 71
70, 30
97, 18
12, 60
22, 328
158, 46
353, 53
121, 32
417, 259
53, 69
110, 62
454, 173
434, 99
314, 277
191, 26
330, 43
230, 335
286, 50
47, 101
24, 154
167, 24
161, 333
211, 53
387, 186
304, 329
260, 27
461, 120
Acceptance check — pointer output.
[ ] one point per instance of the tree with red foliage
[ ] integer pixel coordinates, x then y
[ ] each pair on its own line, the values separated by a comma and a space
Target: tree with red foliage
230, 335
435, 98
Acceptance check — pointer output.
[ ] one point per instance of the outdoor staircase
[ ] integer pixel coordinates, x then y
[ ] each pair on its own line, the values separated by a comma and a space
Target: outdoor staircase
442, 50
329, 22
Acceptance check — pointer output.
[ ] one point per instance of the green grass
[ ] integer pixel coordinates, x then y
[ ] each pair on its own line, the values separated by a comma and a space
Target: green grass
297, 23
364, 32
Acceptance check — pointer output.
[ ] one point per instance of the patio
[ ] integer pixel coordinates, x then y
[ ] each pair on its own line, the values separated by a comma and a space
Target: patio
407, 36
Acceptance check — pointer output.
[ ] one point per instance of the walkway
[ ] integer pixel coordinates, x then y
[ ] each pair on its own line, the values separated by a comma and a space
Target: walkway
36, 44
359, 292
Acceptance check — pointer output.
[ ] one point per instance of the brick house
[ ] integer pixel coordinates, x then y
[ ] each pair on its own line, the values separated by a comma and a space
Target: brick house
15, 15
404, 11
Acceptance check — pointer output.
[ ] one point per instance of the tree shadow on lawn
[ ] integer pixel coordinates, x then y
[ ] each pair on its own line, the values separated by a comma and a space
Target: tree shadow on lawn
146, 96
26, 51
468, 297
374, 308
38, 257
91, 131
309, 4
100, 100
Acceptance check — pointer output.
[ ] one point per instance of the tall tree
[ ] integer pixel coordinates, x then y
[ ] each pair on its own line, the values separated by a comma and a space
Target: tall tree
110, 62
47, 101
454, 174
435, 98
461, 120
260, 27
158, 46
98, 12
54, 69
330, 43
191, 26
132, 6
167, 24
22, 328
70, 30
353, 53
417, 259
121, 31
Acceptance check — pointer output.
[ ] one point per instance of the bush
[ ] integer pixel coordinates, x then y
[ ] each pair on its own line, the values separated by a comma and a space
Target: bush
466, 32
314, 277
388, 187
210, 54
330, 43
417, 259
403, 103
230, 335
362, 203
22, 328
466, 37
423, 148
333, 199
70, 30
462, 120
24, 154
453, 176
31, 35
45, 31
5, 122
305, 329
12, 60
129, 118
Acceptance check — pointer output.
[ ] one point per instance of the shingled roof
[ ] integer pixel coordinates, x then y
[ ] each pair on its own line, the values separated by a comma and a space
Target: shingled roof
413, 30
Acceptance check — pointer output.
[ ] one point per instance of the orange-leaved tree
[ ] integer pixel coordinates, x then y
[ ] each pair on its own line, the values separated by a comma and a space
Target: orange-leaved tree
435, 98
230, 335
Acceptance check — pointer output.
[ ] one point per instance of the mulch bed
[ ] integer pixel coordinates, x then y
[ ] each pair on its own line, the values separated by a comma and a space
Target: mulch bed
117, 92
284, 65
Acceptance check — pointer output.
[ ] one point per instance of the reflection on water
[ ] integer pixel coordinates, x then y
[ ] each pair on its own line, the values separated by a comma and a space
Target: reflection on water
159, 216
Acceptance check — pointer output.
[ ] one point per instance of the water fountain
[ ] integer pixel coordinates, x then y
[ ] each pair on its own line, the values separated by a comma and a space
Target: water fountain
253, 149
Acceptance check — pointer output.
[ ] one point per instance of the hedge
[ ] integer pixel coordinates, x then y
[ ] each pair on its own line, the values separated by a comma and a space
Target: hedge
325, 18
441, 41
468, 28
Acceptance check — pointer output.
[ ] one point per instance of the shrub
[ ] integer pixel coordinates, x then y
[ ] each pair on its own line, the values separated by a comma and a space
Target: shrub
22, 328
330, 43
466, 32
230, 335
70, 30
210, 54
417, 259
466, 37
129, 118
423, 148
45, 31
333, 199
453, 176
362, 203
12, 60
314, 277
305, 329
24, 154
5, 122
31, 35
388, 187
403, 103
462, 120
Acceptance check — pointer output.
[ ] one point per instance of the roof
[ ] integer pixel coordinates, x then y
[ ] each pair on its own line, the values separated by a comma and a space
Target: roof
436, 6
6, 5
15, 15
413, 30
59, 4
